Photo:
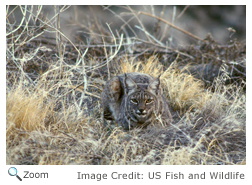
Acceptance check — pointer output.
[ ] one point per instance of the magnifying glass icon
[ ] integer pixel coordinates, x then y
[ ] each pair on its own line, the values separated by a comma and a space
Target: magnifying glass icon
13, 172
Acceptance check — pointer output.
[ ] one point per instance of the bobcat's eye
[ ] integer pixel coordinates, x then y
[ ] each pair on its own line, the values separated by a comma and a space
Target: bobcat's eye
134, 101
149, 100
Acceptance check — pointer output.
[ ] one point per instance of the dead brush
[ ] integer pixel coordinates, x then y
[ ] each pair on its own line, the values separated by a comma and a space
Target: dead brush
26, 112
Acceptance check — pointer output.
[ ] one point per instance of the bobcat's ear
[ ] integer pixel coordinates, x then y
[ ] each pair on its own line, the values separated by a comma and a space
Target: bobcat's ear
155, 84
115, 89
129, 83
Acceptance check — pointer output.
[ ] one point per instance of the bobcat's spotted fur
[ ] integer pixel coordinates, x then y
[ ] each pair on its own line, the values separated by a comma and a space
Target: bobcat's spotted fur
133, 100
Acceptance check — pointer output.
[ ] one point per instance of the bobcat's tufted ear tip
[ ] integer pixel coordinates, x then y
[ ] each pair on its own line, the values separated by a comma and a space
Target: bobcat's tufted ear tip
129, 83
115, 88
155, 84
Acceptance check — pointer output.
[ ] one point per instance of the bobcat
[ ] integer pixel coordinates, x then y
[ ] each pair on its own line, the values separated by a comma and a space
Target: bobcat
133, 99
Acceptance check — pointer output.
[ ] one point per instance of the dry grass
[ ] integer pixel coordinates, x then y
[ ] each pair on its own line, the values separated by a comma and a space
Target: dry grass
26, 111
149, 66
54, 117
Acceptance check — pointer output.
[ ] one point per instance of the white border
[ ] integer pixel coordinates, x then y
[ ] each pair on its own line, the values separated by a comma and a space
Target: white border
68, 174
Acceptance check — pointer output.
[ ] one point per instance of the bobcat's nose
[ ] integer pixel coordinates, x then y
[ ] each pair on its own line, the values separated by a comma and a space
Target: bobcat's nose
141, 111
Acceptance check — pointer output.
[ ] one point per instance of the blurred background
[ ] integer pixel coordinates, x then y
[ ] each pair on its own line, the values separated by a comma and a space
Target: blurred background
84, 20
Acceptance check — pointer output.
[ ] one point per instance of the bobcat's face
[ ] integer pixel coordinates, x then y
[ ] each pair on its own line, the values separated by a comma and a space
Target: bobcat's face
141, 101
140, 106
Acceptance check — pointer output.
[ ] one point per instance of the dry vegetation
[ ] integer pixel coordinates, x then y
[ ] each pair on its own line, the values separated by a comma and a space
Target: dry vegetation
53, 87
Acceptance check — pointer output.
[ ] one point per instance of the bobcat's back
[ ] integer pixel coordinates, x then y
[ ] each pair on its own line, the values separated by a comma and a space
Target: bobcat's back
133, 100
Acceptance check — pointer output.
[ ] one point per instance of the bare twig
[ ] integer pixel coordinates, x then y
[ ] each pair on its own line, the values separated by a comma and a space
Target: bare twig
158, 24
21, 22
147, 33
59, 38
96, 21
173, 21
80, 88
165, 47
140, 22
177, 28
117, 49
84, 77
183, 11
125, 22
